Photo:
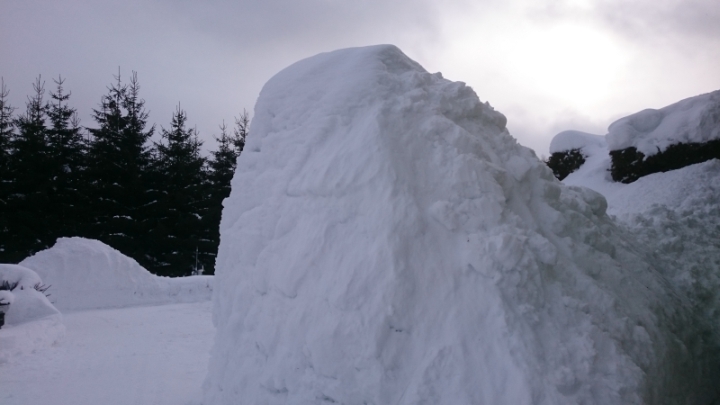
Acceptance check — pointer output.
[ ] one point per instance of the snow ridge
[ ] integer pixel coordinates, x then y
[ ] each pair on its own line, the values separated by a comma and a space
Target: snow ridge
88, 274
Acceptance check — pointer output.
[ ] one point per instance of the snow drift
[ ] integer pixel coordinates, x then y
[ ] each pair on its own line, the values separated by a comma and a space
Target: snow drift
87, 274
388, 242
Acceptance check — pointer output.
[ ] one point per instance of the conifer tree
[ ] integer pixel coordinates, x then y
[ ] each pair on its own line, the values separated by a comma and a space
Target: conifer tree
30, 171
222, 168
6, 127
67, 158
242, 124
178, 213
118, 163
6, 136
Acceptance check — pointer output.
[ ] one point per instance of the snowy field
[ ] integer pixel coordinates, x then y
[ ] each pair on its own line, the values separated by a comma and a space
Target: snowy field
124, 356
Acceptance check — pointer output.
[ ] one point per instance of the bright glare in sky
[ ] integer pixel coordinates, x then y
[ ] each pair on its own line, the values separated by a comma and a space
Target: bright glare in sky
570, 63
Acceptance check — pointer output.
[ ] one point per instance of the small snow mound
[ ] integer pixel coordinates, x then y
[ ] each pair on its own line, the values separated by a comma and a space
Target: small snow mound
28, 304
31, 321
692, 120
387, 241
87, 274
569, 140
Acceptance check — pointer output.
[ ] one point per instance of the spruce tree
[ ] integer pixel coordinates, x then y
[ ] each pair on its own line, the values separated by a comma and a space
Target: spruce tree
242, 124
6, 136
30, 171
222, 168
6, 127
118, 163
178, 213
67, 158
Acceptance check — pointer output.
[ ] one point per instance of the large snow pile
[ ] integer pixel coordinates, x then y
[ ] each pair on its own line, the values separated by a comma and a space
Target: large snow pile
31, 321
692, 120
87, 274
388, 242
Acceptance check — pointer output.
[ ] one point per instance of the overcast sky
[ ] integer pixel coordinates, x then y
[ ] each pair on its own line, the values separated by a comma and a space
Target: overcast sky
548, 65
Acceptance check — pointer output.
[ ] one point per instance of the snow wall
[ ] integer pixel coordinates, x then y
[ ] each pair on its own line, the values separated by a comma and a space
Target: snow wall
88, 274
387, 241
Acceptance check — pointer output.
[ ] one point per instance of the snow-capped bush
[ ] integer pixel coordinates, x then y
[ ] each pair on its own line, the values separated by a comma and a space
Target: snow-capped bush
652, 141
28, 303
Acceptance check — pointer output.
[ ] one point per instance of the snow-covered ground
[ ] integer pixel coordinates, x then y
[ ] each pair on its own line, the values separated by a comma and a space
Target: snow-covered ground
148, 355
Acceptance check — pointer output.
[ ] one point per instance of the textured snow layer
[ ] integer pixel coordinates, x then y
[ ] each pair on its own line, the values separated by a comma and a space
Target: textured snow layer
695, 119
388, 242
569, 140
87, 274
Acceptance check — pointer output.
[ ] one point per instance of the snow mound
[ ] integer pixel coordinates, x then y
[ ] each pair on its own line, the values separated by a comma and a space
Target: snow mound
569, 140
26, 303
387, 241
692, 120
31, 321
87, 274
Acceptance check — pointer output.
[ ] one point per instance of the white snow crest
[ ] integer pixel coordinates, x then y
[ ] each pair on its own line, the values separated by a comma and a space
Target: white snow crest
568, 140
387, 241
87, 274
692, 120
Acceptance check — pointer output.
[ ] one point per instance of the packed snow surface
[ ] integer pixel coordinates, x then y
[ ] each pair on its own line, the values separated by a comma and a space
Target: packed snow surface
87, 274
387, 241
693, 120
148, 355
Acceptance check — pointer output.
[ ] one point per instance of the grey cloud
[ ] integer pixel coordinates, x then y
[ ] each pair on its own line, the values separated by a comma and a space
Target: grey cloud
301, 23
697, 18
640, 19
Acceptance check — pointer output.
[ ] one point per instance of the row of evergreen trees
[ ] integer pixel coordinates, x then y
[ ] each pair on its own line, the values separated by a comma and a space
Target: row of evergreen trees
158, 203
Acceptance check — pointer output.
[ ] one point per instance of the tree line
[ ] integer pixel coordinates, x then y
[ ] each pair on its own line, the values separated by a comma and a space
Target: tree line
157, 202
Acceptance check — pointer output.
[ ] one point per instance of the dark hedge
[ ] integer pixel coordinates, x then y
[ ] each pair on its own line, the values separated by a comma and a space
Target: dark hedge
566, 162
629, 164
